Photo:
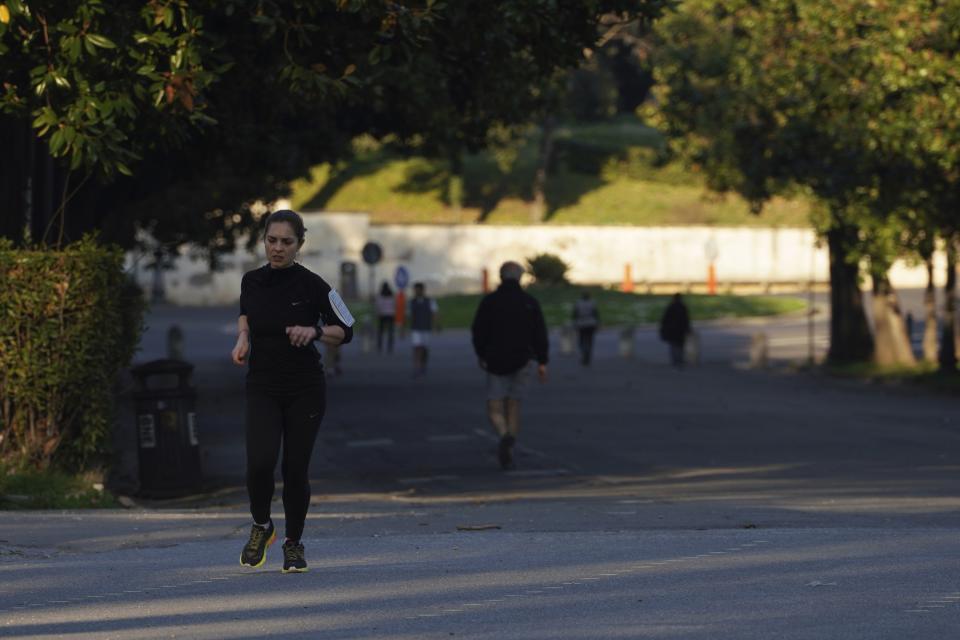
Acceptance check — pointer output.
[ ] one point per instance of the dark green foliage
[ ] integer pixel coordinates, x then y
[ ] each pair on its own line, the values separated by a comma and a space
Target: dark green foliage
69, 320
548, 268
215, 104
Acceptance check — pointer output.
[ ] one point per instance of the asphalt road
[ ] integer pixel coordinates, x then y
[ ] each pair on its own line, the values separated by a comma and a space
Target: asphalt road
714, 502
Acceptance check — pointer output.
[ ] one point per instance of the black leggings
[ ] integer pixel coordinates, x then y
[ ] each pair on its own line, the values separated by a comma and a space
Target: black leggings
385, 328
295, 420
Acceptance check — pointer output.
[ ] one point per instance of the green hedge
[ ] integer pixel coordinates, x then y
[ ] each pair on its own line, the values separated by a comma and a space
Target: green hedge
69, 320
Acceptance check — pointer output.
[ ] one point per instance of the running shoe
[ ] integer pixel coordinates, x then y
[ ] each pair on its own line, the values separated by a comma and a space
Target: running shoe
505, 451
254, 553
293, 559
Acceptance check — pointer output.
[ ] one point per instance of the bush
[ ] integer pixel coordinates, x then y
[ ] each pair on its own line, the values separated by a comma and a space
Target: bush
547, 268
69, 320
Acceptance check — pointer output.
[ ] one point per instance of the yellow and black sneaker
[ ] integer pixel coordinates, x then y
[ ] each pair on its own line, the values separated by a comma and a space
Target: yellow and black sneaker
254, 553
293, 560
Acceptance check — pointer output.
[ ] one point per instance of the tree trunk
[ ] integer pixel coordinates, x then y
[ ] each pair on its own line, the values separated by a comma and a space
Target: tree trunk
455, 183
891, 341
948, 351
538, 209
930, 316
850, 339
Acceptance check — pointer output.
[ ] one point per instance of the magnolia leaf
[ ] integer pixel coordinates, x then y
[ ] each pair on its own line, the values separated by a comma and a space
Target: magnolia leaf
100, 41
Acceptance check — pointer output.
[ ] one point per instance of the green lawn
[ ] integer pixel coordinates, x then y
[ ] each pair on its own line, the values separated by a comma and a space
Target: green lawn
51, 489
616, 308
604, 174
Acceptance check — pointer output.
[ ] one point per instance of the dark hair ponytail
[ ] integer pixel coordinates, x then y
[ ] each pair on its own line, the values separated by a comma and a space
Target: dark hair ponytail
291, 217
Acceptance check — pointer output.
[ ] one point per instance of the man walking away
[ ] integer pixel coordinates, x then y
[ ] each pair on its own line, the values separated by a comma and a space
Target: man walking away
509, 331
423, 320
674, 329
586, 319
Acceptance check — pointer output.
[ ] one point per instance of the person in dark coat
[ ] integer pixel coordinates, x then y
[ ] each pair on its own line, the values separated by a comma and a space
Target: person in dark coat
675, 327
508, 332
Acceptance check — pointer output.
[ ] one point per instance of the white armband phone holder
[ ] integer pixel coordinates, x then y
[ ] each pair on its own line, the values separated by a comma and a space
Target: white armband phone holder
340, 308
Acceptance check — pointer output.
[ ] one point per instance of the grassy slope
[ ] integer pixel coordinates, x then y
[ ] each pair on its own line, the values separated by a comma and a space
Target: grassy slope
605, 173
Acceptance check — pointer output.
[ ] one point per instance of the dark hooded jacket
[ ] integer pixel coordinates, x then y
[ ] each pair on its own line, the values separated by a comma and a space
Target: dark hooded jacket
675, 324
509, 330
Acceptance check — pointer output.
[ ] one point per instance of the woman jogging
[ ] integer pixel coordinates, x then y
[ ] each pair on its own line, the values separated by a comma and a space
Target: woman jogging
284, 309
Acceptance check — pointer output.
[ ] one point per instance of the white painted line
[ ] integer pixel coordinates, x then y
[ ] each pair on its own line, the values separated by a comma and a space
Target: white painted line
621, 513
916, 611
486, 435
448, 438
473, 604
376, 442
427, 479
453, 610
534, 473
531, 452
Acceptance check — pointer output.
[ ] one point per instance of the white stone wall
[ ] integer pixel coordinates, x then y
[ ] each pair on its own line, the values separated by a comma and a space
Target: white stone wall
451, 258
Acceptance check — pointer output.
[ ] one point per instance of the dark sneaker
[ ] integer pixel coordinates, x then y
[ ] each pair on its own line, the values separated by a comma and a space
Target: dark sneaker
254, 553
505, 451
293, 560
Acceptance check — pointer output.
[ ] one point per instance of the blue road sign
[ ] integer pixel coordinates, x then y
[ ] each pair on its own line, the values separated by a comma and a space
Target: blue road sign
401, 277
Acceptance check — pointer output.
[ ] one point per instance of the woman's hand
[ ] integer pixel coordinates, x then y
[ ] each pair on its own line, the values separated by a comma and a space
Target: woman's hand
241, 349
301, 336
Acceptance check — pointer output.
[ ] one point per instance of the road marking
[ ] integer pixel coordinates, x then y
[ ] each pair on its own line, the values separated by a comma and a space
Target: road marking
534, 473
427, 479
376, 442
459, 437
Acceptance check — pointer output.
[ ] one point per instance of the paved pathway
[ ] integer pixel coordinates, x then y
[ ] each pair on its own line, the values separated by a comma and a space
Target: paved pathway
648, 503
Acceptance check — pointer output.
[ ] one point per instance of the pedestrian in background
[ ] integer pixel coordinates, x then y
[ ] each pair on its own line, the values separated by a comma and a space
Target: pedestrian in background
424, 319
586, 319
386, 312
508, 332
674, 329
284, 309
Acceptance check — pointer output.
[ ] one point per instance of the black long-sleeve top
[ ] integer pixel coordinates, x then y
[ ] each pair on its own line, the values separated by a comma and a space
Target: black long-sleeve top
509, 330
274, 299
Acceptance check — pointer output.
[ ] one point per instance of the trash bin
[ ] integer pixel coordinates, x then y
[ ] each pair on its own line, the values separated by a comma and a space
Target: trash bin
167, 443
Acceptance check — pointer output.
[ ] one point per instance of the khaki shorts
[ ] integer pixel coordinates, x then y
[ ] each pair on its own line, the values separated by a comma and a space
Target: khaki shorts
513, 385
420, 338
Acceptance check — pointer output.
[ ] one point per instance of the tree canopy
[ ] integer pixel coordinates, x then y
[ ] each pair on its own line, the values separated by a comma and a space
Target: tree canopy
211, 105
854, 103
